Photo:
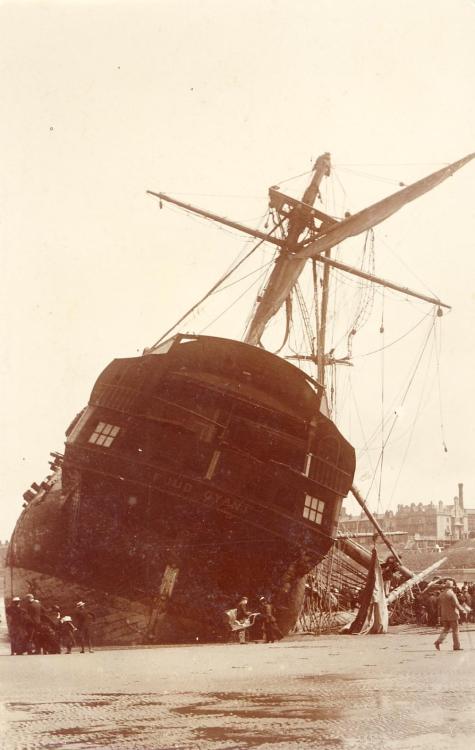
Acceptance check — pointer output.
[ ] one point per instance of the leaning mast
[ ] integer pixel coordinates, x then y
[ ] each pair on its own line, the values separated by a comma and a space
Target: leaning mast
329, 233
311, 234
301, 216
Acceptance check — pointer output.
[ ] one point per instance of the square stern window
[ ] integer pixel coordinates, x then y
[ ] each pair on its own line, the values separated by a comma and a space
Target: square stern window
313, 509
104, 434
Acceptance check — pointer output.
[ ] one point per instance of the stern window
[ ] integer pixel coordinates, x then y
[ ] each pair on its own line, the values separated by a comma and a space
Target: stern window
104, 434
313, 509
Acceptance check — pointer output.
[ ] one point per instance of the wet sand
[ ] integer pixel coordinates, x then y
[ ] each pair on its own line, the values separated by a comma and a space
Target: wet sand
394, 692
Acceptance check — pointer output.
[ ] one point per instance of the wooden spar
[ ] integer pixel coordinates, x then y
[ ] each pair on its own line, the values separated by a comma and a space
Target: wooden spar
378, 212
220, 219
354, 551
417, 578
297, 223
362, 556
328, 360
289, 266
327, 261
378, 280
359, 498
291, 260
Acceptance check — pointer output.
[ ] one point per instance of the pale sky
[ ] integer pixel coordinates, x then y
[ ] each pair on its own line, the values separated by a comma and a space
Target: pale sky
216, 101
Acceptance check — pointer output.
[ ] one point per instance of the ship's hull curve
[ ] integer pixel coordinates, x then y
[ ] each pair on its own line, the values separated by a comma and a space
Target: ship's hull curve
197, 474
141, 587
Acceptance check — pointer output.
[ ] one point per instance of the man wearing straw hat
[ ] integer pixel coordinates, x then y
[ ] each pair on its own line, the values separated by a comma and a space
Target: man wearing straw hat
82, 619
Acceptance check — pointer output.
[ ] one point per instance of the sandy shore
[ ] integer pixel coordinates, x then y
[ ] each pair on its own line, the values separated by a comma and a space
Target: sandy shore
393, 692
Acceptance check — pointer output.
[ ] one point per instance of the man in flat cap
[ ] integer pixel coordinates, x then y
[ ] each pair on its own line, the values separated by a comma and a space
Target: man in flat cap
449, 609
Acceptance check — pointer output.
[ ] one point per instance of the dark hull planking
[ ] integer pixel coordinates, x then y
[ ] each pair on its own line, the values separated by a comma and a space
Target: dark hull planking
199, 472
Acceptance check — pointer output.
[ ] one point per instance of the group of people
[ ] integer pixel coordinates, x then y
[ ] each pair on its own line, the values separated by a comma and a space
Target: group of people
333, 598
246, 619
426, 602
36, 630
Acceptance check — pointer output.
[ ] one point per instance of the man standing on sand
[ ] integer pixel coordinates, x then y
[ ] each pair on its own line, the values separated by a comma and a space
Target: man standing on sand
33, 613
449, 609
83, 619
270, 628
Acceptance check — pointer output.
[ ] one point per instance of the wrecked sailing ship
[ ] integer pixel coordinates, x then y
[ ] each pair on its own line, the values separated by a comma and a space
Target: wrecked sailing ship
205, 468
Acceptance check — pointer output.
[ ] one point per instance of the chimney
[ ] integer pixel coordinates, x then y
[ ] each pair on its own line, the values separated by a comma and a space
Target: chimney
461, 495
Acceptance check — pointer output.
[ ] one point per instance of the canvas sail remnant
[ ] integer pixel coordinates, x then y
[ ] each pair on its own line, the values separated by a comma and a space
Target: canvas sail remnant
290, 263
372, 615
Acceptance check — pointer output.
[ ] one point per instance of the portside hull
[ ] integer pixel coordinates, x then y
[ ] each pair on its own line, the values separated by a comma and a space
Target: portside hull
167, 584
197, 474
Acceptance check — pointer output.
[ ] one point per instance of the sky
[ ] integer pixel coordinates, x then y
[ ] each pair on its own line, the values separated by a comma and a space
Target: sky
215, 102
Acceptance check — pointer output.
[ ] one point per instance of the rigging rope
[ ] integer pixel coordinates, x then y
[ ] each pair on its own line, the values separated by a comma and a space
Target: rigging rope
223, 312
406, 265
363, 313
438, 347
295, 177
305, 316
278, 224
214, 288
288, 322
381, 330
265, 266
416, 416
376, 178
396, 414
361, 425
400, 338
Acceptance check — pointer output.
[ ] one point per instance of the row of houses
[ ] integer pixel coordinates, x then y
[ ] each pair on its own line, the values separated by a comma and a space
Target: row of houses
426, 525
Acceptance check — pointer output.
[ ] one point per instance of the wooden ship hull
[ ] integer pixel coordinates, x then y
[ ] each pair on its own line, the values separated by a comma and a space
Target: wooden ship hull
205, 469
200, 471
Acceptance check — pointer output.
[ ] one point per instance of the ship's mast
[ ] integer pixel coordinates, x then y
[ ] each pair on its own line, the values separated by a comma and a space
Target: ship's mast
300, 216
326, 236
299, 219
323, 233
311, 234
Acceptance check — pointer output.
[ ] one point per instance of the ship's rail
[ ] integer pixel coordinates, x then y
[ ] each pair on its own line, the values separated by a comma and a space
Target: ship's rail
117, 397
237, 431
122, 399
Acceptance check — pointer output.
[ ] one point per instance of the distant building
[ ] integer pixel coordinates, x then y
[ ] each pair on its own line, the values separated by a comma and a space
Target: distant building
471, 521
431, 525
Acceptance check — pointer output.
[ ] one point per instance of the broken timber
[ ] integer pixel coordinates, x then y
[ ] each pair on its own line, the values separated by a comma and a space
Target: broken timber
417, 578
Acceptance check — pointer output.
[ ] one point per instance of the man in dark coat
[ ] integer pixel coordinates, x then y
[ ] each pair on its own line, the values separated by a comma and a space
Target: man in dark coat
432, 608
449, 609
83, 620
270, 629
17, 626
33, 615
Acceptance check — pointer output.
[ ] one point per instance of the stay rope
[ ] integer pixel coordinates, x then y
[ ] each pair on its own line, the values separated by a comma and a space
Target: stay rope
214, 287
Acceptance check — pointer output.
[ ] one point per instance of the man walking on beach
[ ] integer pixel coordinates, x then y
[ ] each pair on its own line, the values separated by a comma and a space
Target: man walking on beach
449, 609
